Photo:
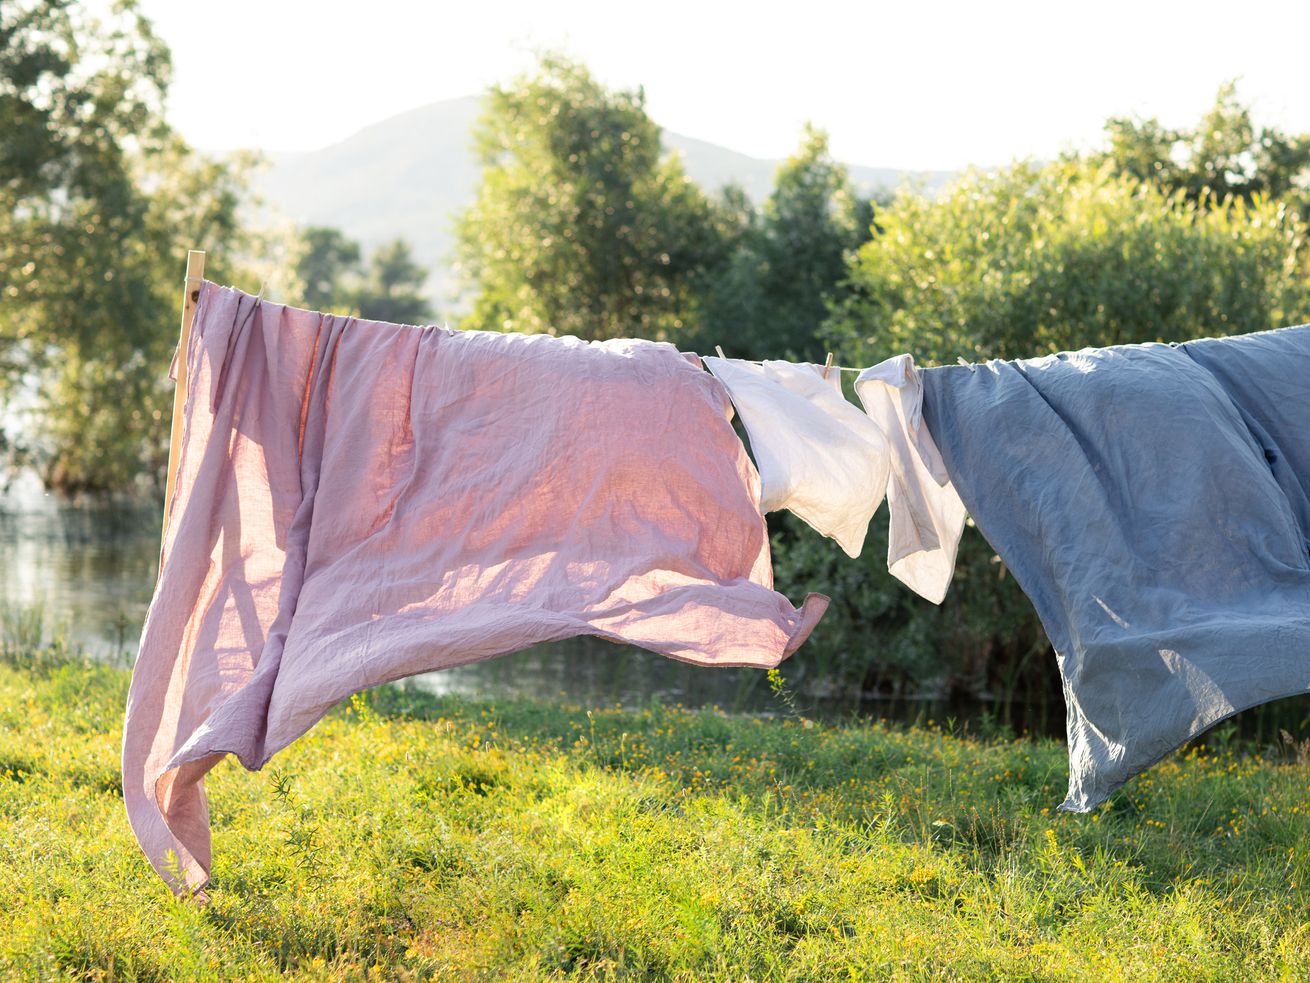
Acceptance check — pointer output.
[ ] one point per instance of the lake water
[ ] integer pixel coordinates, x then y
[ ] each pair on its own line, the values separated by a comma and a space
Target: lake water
91, 566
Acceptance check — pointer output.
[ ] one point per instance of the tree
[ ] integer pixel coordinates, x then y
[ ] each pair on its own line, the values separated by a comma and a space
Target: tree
392, 290
66, 180
98, 202
1029, 260
1017, 263
328, 262
1223, 155
580, 226
731, 291
331, 270
788, 263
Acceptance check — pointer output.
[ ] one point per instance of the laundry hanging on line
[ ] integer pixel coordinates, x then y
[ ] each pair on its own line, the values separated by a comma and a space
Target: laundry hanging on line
830, 464
1153, 501
818, 455
359, 501
925, 514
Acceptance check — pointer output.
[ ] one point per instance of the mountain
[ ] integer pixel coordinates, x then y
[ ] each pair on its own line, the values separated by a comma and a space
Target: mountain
409, 175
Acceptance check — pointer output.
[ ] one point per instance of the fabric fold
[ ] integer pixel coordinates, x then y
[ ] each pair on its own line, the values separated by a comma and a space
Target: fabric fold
925, 513
819, 457
1151, 500
359, 501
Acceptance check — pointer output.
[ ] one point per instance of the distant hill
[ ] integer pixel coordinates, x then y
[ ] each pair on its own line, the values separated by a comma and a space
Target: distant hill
409, 175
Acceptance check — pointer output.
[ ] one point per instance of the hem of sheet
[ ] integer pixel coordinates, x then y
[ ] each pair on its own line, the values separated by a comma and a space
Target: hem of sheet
1089, 801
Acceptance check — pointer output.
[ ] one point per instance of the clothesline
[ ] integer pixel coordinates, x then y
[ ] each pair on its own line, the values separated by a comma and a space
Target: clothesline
838, 368
827, 366
831, 368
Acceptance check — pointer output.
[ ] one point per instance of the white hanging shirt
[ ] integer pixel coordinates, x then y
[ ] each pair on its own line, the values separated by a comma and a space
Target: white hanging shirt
817, 454
927, 516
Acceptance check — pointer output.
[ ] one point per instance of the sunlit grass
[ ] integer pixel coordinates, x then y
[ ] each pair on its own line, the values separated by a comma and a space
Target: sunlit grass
410, 836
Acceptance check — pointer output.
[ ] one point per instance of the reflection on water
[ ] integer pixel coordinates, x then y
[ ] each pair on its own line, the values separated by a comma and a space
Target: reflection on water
590, 671
91, 567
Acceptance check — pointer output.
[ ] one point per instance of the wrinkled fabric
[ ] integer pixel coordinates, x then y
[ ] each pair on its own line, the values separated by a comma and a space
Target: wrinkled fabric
925, 514
818, 456
359, 501
1154, 503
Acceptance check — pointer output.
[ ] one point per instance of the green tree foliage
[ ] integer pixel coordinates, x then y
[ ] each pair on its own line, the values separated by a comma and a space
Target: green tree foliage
98, 202
1028, 260
580, 226
328, 262
65, 167
1223, 155
392, 291
1017, 263
331, 269
788, 262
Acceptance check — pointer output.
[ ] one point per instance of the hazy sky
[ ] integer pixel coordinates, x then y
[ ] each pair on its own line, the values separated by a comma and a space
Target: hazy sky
912, 85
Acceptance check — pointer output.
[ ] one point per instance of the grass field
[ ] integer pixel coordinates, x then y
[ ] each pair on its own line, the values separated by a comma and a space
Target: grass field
413, 837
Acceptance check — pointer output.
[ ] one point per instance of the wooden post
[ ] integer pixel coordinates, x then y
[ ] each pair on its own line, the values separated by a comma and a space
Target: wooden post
195, 275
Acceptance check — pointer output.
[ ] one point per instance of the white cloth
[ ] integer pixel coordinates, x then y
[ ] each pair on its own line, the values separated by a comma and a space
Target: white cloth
927, 516
817, 454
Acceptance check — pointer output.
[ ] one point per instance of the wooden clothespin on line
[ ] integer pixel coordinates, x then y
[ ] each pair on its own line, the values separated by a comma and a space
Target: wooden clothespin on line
195, 276
827, 365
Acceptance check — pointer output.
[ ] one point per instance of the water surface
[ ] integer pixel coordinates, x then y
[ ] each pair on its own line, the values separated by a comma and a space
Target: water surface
90, 567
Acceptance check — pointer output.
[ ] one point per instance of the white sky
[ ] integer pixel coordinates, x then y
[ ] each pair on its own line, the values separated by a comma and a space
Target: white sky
920, 86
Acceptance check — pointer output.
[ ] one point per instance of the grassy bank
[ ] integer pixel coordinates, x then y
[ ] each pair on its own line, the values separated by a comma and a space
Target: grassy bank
413, 837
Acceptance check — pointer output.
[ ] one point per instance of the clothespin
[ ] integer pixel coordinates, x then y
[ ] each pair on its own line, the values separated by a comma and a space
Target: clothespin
718, 350
260, 295
827, 366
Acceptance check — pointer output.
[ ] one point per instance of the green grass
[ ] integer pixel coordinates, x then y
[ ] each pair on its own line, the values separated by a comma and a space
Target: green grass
414, 837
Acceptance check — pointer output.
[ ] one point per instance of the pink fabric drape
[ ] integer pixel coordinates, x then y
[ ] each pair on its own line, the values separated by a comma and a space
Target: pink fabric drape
360, 501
